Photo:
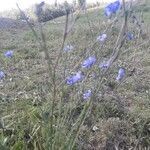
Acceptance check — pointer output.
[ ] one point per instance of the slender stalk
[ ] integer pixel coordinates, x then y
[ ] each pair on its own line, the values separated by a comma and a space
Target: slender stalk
30, 26
117, 48
43, 45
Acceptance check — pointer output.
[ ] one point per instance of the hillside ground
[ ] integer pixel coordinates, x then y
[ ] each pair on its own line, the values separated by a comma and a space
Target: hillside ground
121, 114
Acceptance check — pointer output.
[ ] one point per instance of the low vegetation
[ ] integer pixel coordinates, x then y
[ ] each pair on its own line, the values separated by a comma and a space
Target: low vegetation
42, 106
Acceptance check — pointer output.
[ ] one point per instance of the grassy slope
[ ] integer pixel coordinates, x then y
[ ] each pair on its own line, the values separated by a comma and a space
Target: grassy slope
25, 86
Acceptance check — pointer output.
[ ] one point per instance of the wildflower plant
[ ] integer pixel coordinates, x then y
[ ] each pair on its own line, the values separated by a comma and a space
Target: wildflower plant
68, 48
103, 65
8, 54
89, 62
130, 36
2, 75
102, 38
87, 94
75, 78
72, 96
121, 74
112, 8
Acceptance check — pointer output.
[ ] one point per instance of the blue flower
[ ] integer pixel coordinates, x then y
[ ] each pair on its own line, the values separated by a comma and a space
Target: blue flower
89, 62
108, 11
75, 78
104, 65
87, 94
2, 75
102, 38
121, 74
130, 36
68, 48
112, 8
8, 54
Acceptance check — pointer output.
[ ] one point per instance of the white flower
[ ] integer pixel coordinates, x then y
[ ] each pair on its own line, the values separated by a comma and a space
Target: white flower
101, 38
68, 48
95, 128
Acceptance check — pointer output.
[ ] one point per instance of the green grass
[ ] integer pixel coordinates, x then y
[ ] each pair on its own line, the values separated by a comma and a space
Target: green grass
120, 111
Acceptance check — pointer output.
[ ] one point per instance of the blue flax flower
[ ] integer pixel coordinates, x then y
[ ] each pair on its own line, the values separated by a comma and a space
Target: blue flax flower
121, 74
112, 8
75, 78
129, 36
87, 94
8, 53
102, 37
68, 48
89, 62
2, 75
104, 65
